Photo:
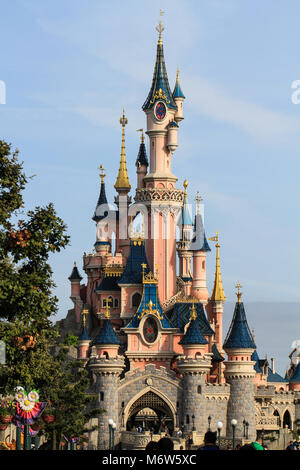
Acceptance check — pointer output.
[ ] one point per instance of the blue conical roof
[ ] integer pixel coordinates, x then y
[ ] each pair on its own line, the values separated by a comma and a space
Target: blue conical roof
177, 93
99, 214
75, 276
142, 156
106, 335
239, 335
84, 336
193, 334
199, 242
296, 375
160, 82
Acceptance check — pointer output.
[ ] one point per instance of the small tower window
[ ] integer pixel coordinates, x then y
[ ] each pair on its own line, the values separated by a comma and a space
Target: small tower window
199, 389
101, 396
203, 265
136, 299
116, 303
187, 419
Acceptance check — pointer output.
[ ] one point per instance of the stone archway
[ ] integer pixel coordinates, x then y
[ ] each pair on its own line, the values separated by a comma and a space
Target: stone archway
163, 412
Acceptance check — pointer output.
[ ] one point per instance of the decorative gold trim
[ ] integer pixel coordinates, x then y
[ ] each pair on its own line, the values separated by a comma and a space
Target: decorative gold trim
113, 270
239, 293
122, 181
150, 310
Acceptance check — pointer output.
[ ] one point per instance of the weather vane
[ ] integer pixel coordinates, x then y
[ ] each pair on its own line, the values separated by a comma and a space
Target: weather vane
160, 28
239, 293
142, 134
198, 199
102, 173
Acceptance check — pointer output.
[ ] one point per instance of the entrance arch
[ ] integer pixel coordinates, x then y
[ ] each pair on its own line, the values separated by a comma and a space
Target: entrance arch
151, 399
287, 420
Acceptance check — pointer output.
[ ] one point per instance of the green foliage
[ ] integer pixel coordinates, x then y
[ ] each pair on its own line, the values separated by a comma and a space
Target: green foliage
27, 303
71, 340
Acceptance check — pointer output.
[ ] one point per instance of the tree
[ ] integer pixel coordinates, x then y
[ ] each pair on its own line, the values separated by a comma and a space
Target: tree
27, 302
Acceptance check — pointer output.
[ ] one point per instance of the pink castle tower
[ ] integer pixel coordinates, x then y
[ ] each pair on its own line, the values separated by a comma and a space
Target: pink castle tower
199, 249
157, 190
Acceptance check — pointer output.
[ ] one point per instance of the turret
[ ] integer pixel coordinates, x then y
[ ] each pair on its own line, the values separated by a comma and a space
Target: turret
102, 244
141, 162
239, 371
106, 368
216, 302
194, 365
183, 245
84, 339
199, 248
178, 97
122, 187
75, 279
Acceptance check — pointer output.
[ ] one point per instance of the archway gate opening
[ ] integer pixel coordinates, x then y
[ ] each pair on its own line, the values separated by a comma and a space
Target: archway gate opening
161, 420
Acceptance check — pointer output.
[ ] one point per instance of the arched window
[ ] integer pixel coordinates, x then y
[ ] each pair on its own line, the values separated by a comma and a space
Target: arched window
199, 389
105, 353
116, 303
110, 301
287, 420
187, 419
136, 299
101, 396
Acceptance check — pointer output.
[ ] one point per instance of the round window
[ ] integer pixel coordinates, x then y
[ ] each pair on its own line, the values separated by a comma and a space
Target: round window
150, 330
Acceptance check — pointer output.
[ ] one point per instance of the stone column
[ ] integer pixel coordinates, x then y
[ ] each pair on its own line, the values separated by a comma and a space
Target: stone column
239, 373
193, 399
107, 373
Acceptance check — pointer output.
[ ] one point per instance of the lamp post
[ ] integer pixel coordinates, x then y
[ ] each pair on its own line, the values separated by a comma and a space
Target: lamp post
110, 423
219, 426
209, 421
244, 428
113, 435
233, 424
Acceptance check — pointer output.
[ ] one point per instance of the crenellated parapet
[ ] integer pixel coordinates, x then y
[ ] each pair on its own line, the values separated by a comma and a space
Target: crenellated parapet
103, 366
216, 391
194, 365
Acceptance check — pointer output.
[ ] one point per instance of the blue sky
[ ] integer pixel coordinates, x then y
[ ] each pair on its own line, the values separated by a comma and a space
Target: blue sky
71, 66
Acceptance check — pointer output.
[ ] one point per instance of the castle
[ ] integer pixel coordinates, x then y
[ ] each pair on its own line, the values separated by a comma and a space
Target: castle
150, 333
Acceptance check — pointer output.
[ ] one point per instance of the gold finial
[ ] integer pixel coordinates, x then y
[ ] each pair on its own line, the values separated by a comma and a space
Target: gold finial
102, 173
107, 309
84, 314
142, 135
239, 293
193, 312
177, 74
218, 291
198, 199
185, 185
160, 28
74, 264
122, 182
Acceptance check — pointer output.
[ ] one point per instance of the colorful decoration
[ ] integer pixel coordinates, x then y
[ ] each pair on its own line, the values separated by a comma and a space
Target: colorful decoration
29, 408
150, 330
160, 110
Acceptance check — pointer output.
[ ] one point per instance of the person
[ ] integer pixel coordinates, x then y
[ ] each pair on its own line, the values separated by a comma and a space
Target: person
247, 447
190, 442
257, 444
210, 440
165, 445
179, 434
152, 447
291, 446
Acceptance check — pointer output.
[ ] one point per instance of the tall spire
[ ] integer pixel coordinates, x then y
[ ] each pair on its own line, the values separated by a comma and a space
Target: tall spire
142, 159
160, 89
218, 292
122, 181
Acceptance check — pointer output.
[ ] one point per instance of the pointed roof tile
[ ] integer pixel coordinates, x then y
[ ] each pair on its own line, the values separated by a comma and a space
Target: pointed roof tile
239, 335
